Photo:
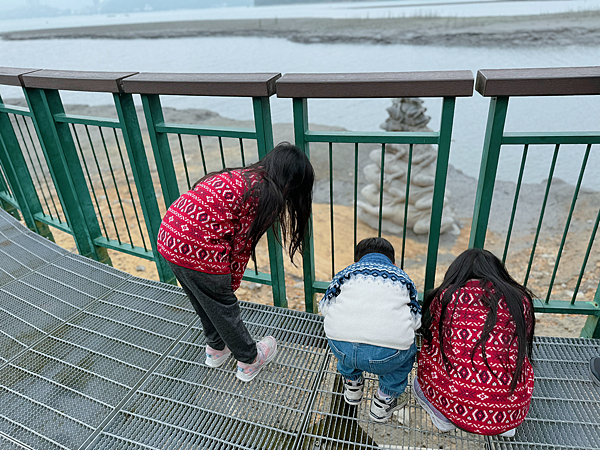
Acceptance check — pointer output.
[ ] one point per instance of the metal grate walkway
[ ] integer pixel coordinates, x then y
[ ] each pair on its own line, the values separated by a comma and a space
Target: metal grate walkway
94, 358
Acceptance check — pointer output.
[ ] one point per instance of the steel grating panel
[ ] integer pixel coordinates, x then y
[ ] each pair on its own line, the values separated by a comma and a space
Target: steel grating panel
185, 404
91, 357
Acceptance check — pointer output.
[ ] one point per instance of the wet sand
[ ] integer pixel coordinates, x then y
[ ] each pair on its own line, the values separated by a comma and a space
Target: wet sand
577, 28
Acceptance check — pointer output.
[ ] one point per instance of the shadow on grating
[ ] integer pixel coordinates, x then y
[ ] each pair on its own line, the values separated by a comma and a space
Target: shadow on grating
91, 357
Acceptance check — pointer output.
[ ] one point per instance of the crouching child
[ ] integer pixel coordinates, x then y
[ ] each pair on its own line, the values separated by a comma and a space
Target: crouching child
371, 315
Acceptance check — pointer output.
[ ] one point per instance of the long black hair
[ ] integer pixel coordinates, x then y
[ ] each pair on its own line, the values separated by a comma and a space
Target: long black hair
284, 194
496, 282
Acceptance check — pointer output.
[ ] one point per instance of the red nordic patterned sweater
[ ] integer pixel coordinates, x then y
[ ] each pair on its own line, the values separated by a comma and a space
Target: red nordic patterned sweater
205, 229
472, 397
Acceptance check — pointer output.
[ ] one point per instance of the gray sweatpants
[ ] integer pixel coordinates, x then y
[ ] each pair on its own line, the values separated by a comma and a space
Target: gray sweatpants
219, 311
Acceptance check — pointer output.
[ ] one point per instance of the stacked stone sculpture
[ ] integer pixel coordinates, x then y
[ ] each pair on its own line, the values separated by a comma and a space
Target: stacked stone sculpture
405, 114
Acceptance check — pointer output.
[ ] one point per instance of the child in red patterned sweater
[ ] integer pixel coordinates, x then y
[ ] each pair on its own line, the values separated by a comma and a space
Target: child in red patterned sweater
209, 233
474, 370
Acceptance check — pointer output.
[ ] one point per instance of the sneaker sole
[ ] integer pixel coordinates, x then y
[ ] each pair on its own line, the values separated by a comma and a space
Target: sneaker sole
245, 378
352, 402
443, 427
389, 414
594, 377
218, 362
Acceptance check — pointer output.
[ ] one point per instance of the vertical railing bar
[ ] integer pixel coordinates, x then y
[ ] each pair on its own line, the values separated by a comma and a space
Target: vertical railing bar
568, 223
355, 191
112, 216
242, 152
36, 173
331, 208
130, 192
112, 172
539, 226
222, 154
185, 167
87, 171
381, 180
587, 254
515, 201
202, 154
408, 170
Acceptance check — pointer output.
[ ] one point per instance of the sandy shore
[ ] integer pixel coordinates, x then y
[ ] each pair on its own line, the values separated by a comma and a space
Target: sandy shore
577, 28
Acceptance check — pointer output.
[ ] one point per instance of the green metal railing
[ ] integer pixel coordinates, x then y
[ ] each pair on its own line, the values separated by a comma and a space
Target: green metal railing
500, 85
448, 85
96, 179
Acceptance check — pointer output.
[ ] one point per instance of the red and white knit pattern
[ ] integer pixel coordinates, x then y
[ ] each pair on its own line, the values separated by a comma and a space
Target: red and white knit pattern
206, 228
469, 394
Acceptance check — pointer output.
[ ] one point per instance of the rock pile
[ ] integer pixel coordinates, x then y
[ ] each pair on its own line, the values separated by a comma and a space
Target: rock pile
405, 114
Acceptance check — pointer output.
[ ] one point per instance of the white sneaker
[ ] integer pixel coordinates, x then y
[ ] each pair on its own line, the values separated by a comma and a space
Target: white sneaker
267, 349
381, 411
216, 358
440, 422
509, 433
353, 391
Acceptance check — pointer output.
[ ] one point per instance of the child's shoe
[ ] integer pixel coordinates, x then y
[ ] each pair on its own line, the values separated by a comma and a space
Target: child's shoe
438, 419
216, 358
382, 410
267, 349
353, 391
509, 433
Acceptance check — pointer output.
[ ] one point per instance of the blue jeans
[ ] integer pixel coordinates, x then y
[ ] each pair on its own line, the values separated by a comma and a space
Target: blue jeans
391, 365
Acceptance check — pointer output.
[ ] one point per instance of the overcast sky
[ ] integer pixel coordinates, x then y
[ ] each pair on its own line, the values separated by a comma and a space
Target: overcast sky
8, 5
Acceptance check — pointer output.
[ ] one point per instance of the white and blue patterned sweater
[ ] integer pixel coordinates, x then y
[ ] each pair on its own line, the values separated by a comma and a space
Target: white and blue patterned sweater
372, 302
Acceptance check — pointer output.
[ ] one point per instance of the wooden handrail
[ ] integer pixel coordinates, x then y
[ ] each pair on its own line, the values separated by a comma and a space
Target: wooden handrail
74, 80
457, 83
12, 75
538, 82
209, 84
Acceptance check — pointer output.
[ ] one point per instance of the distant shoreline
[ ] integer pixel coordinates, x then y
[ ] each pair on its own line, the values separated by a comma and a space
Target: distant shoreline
564, 29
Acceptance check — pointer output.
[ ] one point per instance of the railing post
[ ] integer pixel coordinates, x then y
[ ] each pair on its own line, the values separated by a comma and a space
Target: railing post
488, 169
439, 190
160, 146
136, 152
300, 106
591, 329
264, 140
19, 178
6, 206
59, 149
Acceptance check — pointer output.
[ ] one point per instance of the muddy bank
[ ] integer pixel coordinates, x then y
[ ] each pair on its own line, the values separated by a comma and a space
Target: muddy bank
577, 28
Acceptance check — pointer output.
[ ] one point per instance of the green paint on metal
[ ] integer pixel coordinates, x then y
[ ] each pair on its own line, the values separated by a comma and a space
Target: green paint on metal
300, 106
85, 120
19, 179
132, 136
242, 152
161, 149
568, 223
587, 255
331, 215
264, 141
544, 203
202, 155
381, 188
89, 178
406, 197
515, 201
235, 133
16, 110
551, 138
222, 152
355, 191
375, 137
439, 189
61, 155
488, 169
183, 159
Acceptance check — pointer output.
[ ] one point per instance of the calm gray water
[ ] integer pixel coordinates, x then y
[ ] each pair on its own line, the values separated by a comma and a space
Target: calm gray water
221, 54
